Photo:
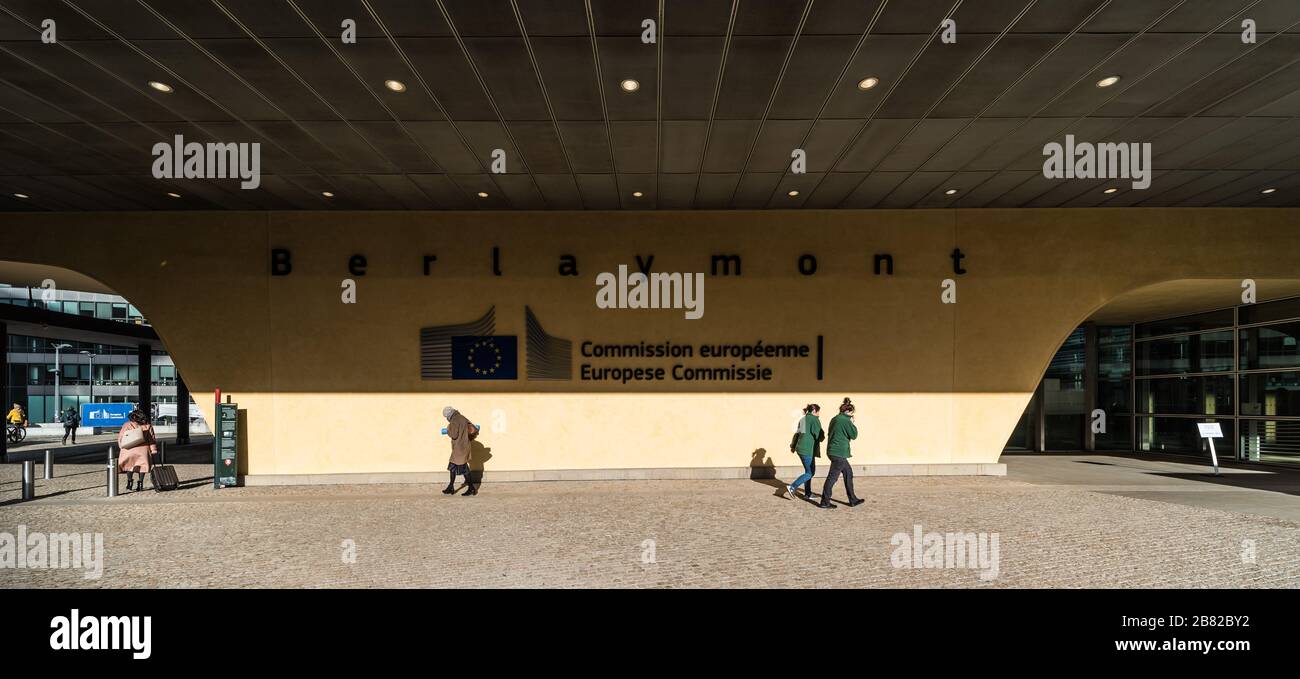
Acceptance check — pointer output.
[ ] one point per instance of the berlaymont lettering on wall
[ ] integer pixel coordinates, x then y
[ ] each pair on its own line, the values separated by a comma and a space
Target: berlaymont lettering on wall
594, 348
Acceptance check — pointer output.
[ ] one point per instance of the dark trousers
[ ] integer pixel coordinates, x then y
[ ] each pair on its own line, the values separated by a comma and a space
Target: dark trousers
839, 465
69, 431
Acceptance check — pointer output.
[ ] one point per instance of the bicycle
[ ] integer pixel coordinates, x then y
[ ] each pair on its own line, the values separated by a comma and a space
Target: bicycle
15, 432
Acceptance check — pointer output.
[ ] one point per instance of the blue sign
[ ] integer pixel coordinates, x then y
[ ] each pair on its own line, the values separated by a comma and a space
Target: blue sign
105, 414
485, 357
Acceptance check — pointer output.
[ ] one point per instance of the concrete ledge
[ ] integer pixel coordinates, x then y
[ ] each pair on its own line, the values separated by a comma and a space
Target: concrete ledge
646, 474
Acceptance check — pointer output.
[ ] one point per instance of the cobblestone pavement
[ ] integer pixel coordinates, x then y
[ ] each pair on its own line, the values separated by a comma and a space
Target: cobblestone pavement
637, 534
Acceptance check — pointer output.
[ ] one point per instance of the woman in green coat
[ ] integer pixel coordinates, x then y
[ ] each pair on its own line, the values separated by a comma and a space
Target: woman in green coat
838, 435
807, 445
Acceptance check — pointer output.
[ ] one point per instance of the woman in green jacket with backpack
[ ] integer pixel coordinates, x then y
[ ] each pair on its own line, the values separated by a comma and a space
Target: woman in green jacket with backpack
807, 445
838, 435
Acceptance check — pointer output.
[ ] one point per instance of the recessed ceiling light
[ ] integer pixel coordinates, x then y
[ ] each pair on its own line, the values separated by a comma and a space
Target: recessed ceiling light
327, 194
482, 194
868, 83
173, 194
161, 87
637, 194
395, 85
1268, 191
1108, 81
630, 85
793, 193
1110, 190
950, 192
21, 195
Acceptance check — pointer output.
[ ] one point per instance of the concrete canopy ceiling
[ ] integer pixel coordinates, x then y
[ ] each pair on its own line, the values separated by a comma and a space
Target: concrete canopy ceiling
726, 93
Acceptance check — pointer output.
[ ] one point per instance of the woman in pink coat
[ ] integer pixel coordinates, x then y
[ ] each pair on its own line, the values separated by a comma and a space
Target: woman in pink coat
136, 458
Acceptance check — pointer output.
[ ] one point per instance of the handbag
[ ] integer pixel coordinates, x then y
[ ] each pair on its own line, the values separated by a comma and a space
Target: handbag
136, 437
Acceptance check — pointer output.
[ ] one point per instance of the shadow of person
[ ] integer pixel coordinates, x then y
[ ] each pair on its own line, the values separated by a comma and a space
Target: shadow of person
763, 470
478, 458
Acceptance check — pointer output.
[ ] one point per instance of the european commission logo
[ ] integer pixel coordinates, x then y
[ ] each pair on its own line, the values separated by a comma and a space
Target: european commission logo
493, 357
472, 351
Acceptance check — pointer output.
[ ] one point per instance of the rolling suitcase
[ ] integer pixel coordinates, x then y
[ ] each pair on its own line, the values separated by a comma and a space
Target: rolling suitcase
163, 476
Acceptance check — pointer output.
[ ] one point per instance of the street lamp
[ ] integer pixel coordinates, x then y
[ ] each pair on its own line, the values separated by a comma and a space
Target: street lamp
58, 403
91, 356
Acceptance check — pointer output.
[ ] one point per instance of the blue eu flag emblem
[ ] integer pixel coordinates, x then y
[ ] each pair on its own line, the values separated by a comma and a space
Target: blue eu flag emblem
485, 357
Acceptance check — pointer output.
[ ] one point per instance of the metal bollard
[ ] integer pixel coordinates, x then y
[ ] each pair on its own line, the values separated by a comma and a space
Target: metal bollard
29, 479
111, 484
49, 465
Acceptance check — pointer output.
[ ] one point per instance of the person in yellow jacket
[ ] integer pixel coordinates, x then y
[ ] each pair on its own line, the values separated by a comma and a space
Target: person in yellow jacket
17, 416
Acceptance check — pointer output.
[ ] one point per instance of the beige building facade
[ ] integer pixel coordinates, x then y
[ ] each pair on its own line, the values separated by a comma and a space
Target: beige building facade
343, 335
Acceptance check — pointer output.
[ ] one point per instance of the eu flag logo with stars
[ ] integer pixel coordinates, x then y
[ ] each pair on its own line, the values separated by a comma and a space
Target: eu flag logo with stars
485, 357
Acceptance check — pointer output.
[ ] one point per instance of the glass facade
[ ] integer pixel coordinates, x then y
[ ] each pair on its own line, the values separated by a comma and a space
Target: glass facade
1155, 381
104, 374
95, 305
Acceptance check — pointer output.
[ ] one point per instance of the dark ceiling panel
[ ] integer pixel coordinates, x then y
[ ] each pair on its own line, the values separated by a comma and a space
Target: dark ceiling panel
560, 190
588, 146
914, 16
752, 69
554, 17
922, 142
1137, 64
322, 71
444, 191
840, 17
505, 67
626, 58
728, 144
569, 72
812, 74
1197, 68
871, 147
1077, 57
480, 17
624, 17
690, 75
882, 57
404, 18
715, 190
599, 191
776, 143
375, 146
682, 145
443, 66
1199, 16
1057, 16
78, 120
914, 189
936, 70
631, 139
994, 74
872, 189
1224, 93
632, 184
769, 17
539, 143
755, 190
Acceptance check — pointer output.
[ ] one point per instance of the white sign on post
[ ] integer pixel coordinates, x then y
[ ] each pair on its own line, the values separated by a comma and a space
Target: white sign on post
1209, 432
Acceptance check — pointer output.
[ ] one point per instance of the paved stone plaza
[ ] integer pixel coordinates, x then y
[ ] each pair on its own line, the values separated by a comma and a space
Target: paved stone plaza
1053, 529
